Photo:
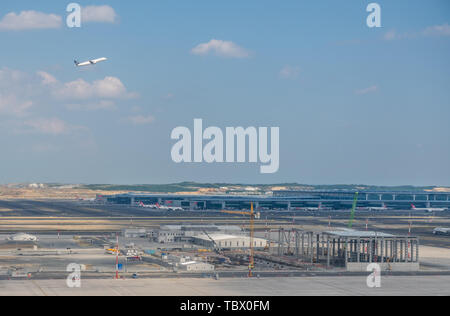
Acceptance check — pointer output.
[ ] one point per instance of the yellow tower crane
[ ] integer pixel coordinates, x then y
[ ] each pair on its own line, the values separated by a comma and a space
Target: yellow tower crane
252, 215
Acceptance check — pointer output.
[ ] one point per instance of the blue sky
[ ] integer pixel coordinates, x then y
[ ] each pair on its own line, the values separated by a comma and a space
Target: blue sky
354, 104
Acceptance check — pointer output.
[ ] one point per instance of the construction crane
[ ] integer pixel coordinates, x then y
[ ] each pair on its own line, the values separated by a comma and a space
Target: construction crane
352, 216
253, 216
216, 247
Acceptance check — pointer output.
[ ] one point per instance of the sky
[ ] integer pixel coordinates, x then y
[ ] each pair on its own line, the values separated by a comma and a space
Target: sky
355, 105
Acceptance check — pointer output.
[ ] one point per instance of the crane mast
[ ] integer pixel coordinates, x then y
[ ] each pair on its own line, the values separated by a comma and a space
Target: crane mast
352, 216
252, 215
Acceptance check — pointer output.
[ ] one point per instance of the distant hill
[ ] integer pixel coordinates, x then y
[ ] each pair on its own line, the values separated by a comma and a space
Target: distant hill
192, 187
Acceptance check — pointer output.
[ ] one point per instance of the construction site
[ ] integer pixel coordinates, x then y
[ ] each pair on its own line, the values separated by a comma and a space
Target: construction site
216, 244
352, 250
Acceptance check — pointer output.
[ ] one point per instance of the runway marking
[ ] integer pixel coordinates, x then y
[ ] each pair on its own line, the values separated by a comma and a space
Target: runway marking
39, 287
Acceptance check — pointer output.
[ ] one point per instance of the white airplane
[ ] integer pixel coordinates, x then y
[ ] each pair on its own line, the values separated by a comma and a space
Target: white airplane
429, 209
169, 208
90, 62
152, 206
442, 231
374, 208
310, 209
22, 237
157, 206
80, 199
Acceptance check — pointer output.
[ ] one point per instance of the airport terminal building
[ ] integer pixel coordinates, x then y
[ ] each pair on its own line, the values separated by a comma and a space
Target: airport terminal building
287, 200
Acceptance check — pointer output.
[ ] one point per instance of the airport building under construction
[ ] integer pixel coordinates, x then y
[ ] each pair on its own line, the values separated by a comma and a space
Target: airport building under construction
349, 249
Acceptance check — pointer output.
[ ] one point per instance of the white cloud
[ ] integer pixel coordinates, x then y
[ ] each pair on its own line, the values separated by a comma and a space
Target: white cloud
92, 106
110, 87
26, 95
432, 31
107, 88
51, 126
23, 94
289, 72
29, 20
141, 119
102, 14
221, 48
366, 90
438, 30
14, 93
390, 35
12, 105
78, 89
47, 79
9, 76
35, 20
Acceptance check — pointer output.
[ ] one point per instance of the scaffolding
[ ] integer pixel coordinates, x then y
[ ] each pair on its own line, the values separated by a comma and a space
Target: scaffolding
352, 250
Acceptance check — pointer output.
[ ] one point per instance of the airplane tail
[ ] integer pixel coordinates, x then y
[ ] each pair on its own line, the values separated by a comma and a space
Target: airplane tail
76, 62
413, 206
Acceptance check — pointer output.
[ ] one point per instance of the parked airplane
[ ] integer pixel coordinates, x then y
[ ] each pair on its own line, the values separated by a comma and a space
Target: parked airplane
22, 237
86, 200
442, 231
429, 209
90, 62
310, 209
376, 209
152, 206
157, 206
169, 208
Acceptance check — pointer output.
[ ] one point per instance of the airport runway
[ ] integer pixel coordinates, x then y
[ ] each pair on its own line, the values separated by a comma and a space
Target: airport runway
310, 286
82, 218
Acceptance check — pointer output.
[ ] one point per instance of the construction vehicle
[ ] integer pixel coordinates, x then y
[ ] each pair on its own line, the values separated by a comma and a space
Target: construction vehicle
112, 251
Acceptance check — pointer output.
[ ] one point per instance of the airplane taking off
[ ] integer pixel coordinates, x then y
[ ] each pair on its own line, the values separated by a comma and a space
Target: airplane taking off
428, 209
90, 62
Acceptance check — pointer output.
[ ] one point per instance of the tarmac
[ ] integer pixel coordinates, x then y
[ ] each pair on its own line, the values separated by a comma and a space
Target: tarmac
308, 286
